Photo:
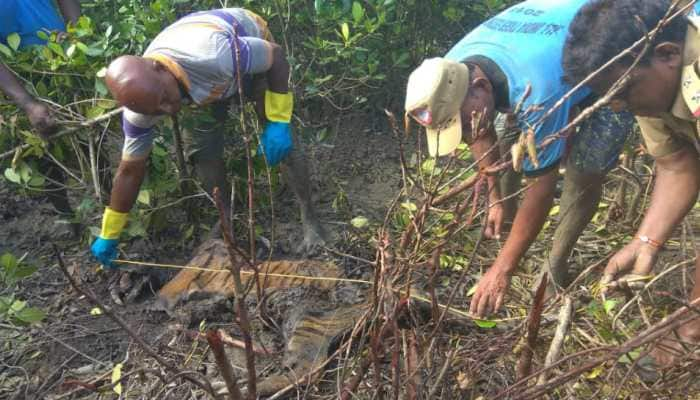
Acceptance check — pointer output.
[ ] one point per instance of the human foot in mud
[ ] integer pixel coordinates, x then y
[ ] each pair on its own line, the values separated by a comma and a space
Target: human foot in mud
314, 238
670, 351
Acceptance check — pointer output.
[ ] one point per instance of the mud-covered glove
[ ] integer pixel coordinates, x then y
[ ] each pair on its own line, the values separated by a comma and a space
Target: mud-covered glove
276, 140
104, 248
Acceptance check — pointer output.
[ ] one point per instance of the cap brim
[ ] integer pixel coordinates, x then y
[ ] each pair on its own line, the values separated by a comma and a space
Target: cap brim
444, 141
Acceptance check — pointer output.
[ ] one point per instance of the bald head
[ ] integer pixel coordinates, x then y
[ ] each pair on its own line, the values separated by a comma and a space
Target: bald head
143, 85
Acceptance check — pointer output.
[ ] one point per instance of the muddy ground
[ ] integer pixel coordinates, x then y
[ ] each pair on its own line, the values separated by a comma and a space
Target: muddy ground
356, 173
73, 344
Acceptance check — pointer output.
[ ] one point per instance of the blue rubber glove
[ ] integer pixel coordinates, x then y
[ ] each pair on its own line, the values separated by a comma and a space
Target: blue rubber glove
105, 251
276, 142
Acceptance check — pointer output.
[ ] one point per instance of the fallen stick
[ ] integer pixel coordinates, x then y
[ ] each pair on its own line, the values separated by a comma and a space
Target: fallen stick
565, 313
227, 340
239, 293
68, 131
533, 328
224, 365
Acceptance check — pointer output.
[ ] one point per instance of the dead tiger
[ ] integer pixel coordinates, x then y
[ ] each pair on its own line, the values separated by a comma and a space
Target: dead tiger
309, 329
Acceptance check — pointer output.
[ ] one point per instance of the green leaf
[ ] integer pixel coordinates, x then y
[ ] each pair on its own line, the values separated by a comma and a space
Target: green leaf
8, 261
609, 305
484, 323
144, 197
12, 176
409, 206
357, 12
94, 51
56, 48
71, 51
472, 290
13, 40
345, 31
102, 72
30, 315
24, 271
100, 87
6, 51
17, 306
94, 112
554, 211
96, 311
42, 35
25, 172
359, 222
37, 181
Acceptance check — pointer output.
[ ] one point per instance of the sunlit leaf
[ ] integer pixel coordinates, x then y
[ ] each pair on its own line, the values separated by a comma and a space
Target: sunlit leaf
14, 40
12, 176
144, 197
96, 311
484, 323
357, 12
359, 222
345, 31
609, 305
116, 376
6, 51
409, 206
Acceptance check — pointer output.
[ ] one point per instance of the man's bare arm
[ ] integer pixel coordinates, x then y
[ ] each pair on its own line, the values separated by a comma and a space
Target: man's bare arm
126, 185
38, 113
13, 88
528, 222
675, 192
278, 74
70, 9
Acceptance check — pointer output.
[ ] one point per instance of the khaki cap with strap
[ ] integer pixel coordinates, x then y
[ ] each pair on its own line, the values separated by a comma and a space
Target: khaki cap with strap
434, 96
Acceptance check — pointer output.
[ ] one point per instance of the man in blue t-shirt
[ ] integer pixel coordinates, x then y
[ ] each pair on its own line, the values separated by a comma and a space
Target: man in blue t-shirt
26, 18
511, 64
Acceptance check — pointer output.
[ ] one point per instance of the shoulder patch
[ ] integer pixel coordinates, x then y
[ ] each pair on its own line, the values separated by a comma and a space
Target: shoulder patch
690, 88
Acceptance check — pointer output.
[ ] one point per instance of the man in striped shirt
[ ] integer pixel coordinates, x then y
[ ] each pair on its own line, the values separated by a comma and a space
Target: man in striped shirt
197, 60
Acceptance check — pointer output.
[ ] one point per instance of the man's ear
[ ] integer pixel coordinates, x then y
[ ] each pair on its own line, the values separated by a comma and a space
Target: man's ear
483, 83
669, 52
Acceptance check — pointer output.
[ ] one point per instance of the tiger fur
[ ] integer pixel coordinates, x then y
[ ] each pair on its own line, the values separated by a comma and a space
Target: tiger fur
310, 332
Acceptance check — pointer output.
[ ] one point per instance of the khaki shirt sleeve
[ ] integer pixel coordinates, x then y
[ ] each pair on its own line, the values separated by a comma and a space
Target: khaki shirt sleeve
658, 138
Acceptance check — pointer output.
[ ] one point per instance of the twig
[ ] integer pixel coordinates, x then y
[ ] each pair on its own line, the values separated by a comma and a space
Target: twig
651, 334
183, 173
224, 365
443, 373
204, 384
239, 294
68, 131
565, 314
533, 328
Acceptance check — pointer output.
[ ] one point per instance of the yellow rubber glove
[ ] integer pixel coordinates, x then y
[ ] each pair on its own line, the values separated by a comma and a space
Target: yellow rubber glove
113, 223
279, 106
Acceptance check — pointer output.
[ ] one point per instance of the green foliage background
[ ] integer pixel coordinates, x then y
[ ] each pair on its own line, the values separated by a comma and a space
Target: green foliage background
347, 57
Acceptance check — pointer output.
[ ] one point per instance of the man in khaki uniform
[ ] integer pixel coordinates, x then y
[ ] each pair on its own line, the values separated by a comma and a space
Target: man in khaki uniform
663, 91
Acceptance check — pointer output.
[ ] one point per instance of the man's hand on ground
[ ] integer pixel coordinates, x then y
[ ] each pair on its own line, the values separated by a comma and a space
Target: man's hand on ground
494, 221
40, 117
490, 292
629, 266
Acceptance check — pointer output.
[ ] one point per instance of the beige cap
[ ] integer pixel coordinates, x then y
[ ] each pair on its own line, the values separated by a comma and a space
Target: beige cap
434, 97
